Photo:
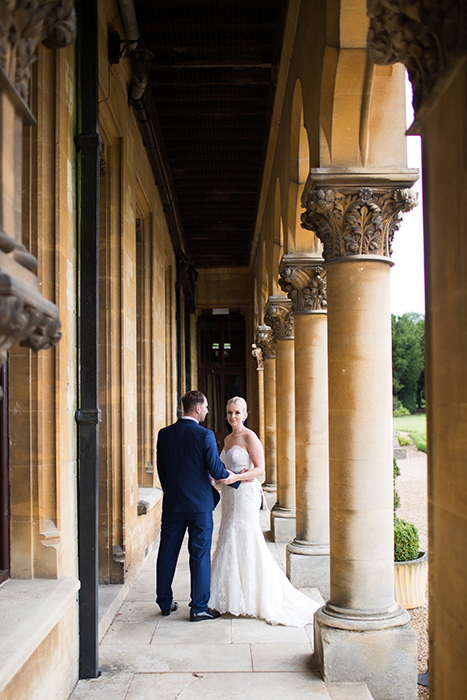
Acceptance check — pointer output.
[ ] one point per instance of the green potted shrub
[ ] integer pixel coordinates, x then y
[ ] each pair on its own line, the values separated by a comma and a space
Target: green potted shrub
411, 565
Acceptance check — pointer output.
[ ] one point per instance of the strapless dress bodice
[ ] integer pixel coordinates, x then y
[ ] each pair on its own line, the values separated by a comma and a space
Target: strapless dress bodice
236, 458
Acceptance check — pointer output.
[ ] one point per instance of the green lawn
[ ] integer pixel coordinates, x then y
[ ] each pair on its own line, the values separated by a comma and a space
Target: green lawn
409, 423
415, 426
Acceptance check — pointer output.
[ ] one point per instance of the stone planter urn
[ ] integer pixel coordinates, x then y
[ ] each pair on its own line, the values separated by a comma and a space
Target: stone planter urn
410, 579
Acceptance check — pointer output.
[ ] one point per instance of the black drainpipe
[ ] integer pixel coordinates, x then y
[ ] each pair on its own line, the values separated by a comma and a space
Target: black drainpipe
88, 414
178, 322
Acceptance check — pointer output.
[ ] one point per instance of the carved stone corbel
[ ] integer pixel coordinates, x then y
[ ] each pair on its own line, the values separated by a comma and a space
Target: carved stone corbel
303, 279
25, 24
426, 36
25, 315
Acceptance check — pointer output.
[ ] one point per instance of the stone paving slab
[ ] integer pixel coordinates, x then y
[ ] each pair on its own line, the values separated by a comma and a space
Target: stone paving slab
139, 610
182, 631
250, 631
282, 657
197, 658
231, 686
126, 632
109, 686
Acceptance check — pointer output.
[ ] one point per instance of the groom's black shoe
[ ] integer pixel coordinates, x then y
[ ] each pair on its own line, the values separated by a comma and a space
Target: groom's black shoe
172, 609
208, 614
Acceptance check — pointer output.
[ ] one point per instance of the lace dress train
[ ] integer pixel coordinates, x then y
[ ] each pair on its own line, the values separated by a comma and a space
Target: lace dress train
245, 578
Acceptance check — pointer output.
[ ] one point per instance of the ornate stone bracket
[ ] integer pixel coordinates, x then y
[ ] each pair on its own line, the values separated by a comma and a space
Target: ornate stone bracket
265, 341
279, 317
304, 280
258, 355
26, 23
25, 315
50, 536
351, 217
426, 36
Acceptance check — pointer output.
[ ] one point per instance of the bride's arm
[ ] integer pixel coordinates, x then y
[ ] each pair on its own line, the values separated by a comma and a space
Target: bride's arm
256, 452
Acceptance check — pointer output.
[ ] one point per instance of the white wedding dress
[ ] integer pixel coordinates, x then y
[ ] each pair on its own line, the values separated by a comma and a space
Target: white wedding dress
245, 578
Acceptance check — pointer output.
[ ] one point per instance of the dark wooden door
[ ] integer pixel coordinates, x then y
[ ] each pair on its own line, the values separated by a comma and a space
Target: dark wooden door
221, 365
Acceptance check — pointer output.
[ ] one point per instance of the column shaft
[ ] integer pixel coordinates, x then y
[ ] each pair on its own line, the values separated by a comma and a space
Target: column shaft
261, 404
283, 512
360, 430
285, 409
308, 553
311, 429
270, 444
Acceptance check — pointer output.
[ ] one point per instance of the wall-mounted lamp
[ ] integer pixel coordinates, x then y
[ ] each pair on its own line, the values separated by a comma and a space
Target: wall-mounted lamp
116, 46
140, 61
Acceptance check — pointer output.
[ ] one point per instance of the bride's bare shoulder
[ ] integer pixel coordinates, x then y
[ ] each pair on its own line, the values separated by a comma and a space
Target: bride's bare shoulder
251, 437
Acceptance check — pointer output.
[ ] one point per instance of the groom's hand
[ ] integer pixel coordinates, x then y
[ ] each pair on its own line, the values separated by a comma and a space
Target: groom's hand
232, 478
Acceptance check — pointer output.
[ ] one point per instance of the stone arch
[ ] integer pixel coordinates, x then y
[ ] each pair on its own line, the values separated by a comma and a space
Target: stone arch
299, 239
359, 103
278, 240
264, 280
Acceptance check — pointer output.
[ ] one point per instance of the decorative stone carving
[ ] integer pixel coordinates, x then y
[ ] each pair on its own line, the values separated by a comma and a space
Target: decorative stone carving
280, 317
352, 220
258, 355
265, 341
25, 315
20, 322
305, 287
26, 23
426, 36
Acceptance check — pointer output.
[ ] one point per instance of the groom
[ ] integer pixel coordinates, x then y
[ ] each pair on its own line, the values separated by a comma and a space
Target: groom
186, 456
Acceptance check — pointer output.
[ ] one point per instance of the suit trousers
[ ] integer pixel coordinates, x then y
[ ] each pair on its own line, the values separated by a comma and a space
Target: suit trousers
173, 528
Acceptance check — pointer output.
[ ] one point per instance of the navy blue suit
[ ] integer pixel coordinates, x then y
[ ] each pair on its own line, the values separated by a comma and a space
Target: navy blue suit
186, 457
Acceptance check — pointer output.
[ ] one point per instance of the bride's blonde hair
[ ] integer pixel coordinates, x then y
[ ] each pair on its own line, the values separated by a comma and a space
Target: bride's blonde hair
238, 400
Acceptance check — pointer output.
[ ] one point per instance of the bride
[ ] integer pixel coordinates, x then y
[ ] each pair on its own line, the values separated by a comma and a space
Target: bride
245, 578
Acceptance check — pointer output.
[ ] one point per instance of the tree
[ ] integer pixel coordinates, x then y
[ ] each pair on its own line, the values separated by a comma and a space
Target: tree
408, 359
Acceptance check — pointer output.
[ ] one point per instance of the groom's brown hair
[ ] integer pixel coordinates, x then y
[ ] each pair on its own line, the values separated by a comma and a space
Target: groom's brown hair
192, 399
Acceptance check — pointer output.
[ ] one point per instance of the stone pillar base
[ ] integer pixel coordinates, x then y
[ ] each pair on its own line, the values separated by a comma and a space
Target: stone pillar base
382, 653
308, 566
269, 487
282, 524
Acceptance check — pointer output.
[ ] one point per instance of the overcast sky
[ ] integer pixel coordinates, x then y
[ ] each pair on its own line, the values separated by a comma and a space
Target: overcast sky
407, 274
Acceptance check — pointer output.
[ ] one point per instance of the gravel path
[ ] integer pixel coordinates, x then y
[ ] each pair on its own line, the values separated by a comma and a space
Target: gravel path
412, 487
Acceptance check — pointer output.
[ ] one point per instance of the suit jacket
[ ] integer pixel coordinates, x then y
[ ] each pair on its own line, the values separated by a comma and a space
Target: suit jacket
186, 456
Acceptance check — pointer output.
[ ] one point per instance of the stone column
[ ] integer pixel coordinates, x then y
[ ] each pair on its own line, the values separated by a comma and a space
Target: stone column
361, 634
304, 279
265, 341
258, 355
279, 317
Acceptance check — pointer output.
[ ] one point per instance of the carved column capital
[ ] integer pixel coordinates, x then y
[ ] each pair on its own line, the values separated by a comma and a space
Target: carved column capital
280, 317
258, 355
266, 343
303, 278
353, 216
426, 36
23, 25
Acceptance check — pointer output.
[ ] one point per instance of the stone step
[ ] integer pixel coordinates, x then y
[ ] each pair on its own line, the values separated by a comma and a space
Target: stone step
348, 691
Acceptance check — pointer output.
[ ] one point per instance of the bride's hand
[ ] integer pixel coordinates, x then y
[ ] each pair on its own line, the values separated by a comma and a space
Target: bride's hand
231, 479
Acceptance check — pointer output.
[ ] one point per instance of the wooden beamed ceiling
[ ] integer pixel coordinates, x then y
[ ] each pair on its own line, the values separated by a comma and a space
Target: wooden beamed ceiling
212, 85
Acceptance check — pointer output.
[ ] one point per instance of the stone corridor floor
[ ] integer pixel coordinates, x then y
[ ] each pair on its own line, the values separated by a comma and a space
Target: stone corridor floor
145, 656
